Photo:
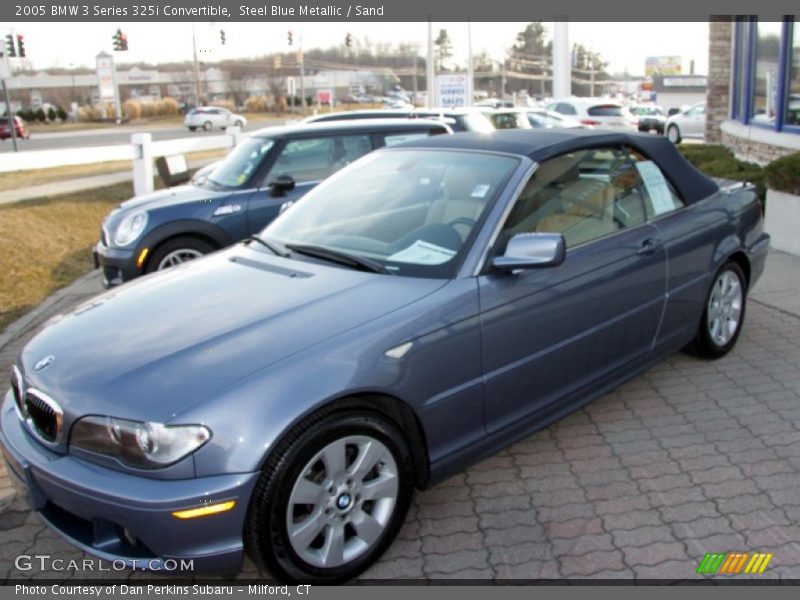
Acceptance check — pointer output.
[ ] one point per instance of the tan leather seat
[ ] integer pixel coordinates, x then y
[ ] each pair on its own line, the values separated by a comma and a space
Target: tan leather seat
463, 196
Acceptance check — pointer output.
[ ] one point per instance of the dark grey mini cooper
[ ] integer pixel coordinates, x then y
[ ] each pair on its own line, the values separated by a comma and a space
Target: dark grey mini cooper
266, 172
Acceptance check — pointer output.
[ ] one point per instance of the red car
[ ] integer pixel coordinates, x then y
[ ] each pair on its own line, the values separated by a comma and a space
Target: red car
19, 124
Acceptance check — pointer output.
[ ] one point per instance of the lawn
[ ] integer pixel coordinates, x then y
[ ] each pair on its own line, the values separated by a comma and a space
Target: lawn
46, 244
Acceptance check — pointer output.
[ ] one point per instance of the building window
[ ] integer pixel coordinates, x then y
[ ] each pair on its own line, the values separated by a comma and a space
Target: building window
792, 113
766, 82
765, 87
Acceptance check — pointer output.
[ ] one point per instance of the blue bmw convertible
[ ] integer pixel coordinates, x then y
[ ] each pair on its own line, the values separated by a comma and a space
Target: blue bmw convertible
421, 309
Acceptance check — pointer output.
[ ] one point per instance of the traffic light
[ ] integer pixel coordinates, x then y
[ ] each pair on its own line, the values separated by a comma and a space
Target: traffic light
348, 40
120, 41
222, 37
20, 46
11, 51
289, 37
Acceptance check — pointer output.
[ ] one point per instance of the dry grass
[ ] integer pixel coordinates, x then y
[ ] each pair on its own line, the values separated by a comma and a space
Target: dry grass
21, 179
46, 244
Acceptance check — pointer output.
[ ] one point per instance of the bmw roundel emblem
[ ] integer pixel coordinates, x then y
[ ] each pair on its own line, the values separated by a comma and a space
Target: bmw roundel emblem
44, 362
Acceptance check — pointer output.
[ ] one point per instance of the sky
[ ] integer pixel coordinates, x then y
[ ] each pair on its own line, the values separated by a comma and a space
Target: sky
623, 45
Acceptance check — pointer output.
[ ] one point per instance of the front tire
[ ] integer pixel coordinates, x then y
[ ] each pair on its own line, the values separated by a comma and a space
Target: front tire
723, 314
207, 126
674, 134
331, 497
192, 128
177, 251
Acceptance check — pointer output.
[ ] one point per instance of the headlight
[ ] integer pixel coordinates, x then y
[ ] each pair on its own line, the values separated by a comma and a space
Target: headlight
137, 444
130, 228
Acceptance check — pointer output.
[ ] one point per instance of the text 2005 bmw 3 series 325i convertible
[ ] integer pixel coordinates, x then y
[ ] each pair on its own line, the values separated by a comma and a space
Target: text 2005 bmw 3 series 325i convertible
423, 308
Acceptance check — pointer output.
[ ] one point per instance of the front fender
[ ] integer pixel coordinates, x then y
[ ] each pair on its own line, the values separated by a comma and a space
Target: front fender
217, 234
253, 414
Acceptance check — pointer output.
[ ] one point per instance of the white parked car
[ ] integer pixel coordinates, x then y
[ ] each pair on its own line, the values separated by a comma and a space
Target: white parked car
212, 117
597, 113
691, 123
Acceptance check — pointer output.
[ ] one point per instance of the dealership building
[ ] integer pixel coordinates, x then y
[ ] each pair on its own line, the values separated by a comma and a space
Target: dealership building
753, 102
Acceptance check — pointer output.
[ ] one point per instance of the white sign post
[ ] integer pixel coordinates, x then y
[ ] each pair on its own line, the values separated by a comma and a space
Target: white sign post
107, 82
452, 90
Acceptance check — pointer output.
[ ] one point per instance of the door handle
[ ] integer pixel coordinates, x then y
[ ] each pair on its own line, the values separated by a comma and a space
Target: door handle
649, 247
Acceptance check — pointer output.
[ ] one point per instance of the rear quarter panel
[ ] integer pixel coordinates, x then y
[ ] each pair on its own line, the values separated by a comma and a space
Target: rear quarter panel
700, 239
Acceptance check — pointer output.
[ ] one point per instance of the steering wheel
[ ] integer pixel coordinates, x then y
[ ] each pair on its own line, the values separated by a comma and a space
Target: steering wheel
465, 221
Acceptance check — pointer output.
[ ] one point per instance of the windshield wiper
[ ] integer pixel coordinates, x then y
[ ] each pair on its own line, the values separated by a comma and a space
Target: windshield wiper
268, 245
355, 262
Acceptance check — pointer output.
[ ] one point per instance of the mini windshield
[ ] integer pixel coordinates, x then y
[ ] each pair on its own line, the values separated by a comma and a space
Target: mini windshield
237, 169
413, 212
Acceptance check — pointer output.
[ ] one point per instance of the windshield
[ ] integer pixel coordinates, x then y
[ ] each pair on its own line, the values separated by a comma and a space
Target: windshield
410, 211
237, 169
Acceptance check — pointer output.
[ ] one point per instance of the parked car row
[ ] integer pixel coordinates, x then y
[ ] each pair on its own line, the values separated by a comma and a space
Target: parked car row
419, 309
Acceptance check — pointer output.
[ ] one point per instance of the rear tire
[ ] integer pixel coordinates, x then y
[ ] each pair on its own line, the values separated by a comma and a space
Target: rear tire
207, 126
192, 128
331, 497
674, 134
723, 314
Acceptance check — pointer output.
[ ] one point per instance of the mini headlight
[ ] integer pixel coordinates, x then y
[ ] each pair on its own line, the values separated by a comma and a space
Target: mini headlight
137, 444
130, 228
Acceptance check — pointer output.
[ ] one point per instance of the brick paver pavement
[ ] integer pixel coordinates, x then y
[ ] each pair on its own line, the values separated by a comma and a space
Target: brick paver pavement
688, 458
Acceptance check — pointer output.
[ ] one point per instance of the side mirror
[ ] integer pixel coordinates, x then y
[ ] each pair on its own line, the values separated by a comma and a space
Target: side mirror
531, 251
281, 185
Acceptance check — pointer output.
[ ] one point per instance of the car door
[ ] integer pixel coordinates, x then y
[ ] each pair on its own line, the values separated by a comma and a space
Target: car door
695, 121
307, 161
548, 333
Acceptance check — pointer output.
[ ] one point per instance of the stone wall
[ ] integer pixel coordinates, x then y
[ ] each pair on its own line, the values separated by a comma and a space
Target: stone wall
720, 44
752, 151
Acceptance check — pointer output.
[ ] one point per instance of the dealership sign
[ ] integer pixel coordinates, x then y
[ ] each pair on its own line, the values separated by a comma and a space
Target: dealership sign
452, 90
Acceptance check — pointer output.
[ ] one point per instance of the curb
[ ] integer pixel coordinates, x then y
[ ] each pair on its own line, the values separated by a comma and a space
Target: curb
25, 322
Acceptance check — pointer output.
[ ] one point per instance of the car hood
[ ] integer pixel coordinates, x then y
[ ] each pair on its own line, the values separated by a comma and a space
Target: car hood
151, 348
170, 197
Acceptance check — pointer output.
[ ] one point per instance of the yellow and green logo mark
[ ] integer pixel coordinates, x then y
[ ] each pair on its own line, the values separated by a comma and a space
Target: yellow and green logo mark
734, 563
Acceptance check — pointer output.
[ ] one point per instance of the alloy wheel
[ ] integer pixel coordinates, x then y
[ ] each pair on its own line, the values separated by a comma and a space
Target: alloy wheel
342, 501
724, 308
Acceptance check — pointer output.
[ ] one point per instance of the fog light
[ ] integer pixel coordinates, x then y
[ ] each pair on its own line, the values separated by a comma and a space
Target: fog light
204, 511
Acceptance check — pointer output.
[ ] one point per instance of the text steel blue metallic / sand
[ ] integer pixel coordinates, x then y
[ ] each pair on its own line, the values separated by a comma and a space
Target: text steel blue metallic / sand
423, 308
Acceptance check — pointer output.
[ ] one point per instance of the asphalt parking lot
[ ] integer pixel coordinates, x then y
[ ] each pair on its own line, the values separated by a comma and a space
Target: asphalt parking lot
690, 458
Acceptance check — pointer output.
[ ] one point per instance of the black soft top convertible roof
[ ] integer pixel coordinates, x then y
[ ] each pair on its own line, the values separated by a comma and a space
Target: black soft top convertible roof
540, 145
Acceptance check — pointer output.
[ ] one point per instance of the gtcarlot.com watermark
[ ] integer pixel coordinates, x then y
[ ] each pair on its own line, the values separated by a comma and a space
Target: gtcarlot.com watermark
45, 562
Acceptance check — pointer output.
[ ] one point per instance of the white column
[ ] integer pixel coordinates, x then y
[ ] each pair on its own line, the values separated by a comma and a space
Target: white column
562, 66
470, 67
430, 72
142, 163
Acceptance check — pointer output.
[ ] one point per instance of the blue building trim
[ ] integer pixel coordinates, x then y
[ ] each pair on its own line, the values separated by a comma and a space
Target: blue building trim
742, 108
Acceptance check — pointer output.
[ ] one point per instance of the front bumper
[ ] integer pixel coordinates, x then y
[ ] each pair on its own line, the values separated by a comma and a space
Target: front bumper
92, 506
118, 265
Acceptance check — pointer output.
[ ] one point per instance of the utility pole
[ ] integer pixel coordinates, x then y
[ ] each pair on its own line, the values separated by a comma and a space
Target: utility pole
5, 73
196, 66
